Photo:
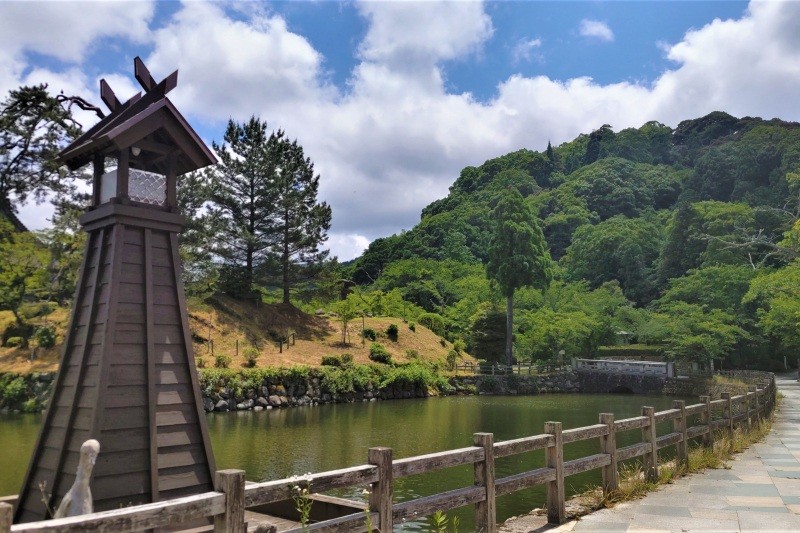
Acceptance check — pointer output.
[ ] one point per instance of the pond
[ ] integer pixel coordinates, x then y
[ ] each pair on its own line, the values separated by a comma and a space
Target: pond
279, 443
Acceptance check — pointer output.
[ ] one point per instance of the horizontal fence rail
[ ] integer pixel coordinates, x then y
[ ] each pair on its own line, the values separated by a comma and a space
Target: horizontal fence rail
226, 505
497, 369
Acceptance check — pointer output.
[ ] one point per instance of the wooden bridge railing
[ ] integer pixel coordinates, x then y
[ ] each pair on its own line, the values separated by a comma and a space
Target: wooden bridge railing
232, 495
518, 368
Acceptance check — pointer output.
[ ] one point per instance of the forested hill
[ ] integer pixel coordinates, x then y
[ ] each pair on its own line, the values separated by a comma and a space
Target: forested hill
638, 207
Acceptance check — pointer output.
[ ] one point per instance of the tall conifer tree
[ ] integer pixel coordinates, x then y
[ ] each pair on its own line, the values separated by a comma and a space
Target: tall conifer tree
518, 255
266, 201
244, 198
301, 223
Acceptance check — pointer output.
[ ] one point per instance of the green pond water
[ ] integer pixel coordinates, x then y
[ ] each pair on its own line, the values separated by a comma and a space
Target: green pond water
280, 443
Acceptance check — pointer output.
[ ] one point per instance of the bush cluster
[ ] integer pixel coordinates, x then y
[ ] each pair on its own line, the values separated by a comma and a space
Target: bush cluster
337, 360
392, 332
250, 357
369, 333
45, 336
379, 354
222, 361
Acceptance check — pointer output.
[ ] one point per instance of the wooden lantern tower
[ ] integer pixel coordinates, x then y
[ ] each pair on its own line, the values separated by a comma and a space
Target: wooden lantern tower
127, 376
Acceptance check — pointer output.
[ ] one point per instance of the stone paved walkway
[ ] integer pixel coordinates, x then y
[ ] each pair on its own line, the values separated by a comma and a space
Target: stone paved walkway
760, 492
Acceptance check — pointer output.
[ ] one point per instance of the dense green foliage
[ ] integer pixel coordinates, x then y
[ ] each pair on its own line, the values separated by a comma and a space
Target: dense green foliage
685, 239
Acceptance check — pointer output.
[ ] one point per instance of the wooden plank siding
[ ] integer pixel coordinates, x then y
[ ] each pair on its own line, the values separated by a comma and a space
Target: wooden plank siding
126, 380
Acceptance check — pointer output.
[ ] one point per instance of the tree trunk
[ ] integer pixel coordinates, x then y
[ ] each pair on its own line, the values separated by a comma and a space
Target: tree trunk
510, 329
285, 258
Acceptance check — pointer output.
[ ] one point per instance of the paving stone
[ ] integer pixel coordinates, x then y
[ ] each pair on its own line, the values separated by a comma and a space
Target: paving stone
584, 525
757, 521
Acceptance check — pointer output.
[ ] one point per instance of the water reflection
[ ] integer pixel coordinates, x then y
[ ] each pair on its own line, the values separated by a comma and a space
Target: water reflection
279, 443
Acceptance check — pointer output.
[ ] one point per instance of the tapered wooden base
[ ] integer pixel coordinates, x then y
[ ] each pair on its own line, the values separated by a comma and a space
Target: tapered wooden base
127, 376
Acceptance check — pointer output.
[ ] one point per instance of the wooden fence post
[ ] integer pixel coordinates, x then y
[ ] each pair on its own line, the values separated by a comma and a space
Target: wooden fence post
754, 388
485, 511
728, 413
380, 497
746, 404
6, 516
608, 444
708, 436
231, 483
649, 436
679, 426
554, 457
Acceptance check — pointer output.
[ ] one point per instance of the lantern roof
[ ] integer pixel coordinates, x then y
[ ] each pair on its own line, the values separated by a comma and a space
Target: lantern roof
151, 122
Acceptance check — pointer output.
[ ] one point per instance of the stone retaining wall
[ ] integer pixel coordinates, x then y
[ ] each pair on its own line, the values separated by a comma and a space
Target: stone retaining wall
275, 393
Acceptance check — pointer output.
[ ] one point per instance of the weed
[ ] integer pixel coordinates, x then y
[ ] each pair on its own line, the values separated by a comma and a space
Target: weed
222, 361
301, 495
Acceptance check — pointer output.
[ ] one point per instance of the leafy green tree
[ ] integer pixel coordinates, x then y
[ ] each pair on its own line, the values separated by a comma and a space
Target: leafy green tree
34, 126
620, 248
351, 307
715, 287
66, 242
692, 333
518, 255
776, 296
23, 268
487, 333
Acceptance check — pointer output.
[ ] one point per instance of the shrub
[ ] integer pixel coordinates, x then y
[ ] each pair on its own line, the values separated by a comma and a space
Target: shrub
222, 361
13, 342
413, 326
443, 343
45, 336
32, 310
14, 391
250, 357
379, 354
416, 375
30, 406
412, 354
460, 346
347, 359
369, 333
200, 362
433, 322
392, 332
346, 379
452, 359
331, 360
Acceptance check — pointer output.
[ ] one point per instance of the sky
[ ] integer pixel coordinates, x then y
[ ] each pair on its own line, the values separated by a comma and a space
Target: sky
392, 99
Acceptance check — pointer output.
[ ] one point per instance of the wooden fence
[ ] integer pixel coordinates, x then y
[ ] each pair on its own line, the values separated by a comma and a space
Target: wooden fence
227, 504
519, 368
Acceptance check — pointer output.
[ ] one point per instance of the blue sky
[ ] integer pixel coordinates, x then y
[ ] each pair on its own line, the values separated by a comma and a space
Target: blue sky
392, 99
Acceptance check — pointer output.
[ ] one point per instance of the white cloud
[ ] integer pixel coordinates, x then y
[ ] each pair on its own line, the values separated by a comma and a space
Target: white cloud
395, 138
347, 245
64, 31
412, 32
596, 29
523, 50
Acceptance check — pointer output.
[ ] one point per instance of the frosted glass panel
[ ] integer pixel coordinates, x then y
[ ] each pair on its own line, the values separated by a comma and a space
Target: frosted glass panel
108, 186
147, 187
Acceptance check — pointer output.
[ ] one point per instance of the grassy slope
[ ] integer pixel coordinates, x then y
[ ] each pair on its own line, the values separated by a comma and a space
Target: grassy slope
225, 321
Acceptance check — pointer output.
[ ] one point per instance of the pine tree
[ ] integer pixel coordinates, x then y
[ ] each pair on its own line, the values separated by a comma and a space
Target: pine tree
265, 202
518, 255
34, 126
300, 221
244, 198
